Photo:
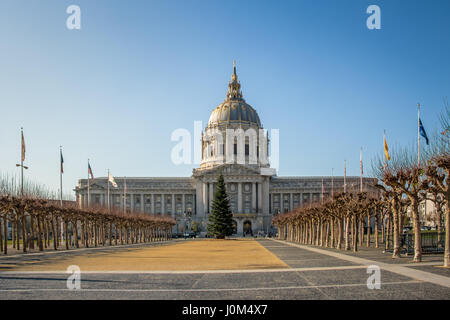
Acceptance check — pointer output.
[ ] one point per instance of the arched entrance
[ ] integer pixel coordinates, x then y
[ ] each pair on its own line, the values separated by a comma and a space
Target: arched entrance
247, 228
235, 227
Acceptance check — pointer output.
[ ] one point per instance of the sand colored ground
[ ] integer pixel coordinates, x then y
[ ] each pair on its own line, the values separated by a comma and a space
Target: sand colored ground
208, 254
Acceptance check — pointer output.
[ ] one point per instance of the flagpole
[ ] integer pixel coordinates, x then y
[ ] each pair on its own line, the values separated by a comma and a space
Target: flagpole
322, 190
384, 157
88, 195
361, 179
125, 195
21, 163
60, 192
418, 134
107, 182
345, 174
332, 182
60, 175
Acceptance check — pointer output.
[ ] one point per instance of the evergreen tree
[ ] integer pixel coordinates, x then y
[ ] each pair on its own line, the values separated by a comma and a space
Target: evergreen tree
220, 222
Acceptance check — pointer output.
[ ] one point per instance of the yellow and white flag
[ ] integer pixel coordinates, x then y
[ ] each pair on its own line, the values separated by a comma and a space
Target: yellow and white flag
23, 148
386, 150
111, 179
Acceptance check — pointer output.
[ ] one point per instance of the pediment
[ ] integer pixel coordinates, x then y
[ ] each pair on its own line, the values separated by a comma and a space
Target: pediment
229, 170
94, 186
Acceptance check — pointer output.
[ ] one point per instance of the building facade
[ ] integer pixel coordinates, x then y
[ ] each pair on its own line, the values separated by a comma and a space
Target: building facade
235, 144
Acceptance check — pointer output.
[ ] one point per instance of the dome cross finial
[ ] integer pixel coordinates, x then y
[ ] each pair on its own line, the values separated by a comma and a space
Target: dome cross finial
234, 66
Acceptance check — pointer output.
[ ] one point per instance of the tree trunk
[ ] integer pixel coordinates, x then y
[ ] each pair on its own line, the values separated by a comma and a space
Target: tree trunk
110, 233
5, 229
66, 232
417, 231
395, 214
439, 221
54, 233
13, 233
377, 244
347, 233
332, 231
361, 231
24, 233
75, 233
355, 232
39, 236
386, 233
32, 233
340, 223
17, 232
368, 230
447, 233
116, 234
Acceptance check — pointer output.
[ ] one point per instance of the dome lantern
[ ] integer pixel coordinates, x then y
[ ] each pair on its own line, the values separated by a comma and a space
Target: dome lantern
234, 110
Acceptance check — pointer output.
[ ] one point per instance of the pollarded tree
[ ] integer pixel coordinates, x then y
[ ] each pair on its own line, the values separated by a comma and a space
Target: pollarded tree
393, 197
437, 173
221, 219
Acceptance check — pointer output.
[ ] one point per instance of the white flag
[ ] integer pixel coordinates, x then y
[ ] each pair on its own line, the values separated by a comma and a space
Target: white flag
111, 179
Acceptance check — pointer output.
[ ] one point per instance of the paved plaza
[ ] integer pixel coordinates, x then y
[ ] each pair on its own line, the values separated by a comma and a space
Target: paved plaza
230, 269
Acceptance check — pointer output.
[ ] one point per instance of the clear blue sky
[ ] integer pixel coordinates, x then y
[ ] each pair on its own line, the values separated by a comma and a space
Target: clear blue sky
137, 70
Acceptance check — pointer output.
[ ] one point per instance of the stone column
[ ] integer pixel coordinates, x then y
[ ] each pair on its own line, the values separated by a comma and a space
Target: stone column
163, 204
239, 197
205, 198
183, 202
300, 200
142, 203
271, 203
260, 198
173, 205
265, 197
281, 202
310, 197
211, 195
254, 208
291, 199
131, 202
199, 199
152, 203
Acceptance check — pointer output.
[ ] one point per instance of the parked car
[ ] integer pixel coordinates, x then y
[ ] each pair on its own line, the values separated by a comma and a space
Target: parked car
189, 235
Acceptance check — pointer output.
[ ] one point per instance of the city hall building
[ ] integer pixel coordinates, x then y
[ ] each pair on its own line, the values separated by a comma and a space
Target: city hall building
256, 193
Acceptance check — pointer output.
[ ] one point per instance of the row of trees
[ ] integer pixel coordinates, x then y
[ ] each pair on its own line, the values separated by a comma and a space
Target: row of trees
403, 182
44, 224
338, 222
36, 220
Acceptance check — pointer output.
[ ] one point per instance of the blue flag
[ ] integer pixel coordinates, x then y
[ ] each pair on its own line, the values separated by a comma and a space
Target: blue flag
422, 131
62, 162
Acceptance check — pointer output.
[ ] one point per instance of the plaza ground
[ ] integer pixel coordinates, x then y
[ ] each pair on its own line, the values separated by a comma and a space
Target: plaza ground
221, 269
